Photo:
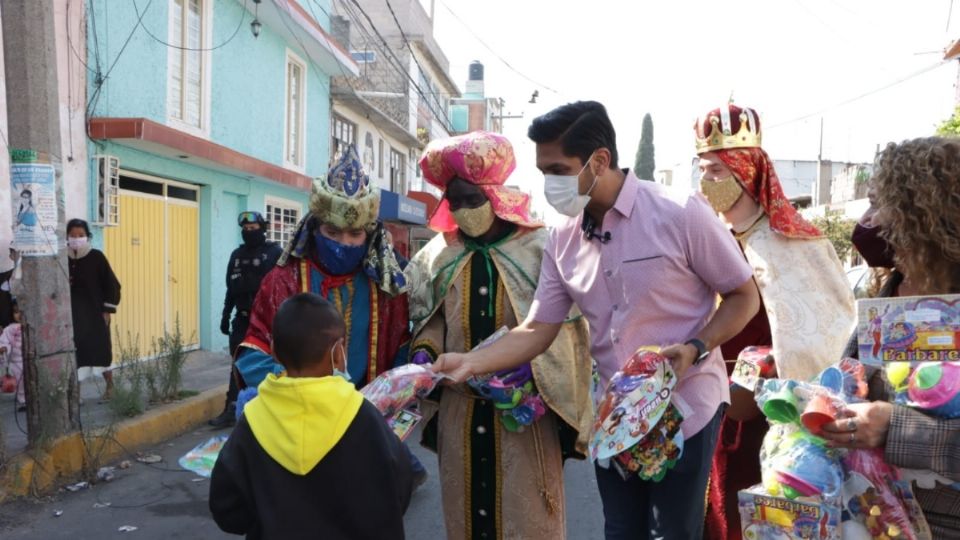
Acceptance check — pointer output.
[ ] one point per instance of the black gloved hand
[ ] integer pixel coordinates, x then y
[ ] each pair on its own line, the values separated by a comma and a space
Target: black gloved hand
225, 325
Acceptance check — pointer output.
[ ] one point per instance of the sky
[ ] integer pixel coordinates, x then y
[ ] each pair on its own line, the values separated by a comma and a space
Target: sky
794, 61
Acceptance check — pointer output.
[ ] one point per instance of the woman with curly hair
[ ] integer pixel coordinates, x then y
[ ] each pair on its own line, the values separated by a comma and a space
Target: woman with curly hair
914, 195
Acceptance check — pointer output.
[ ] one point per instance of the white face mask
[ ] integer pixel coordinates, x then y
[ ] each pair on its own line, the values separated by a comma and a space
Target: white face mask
337, 372
77, 243
563, 192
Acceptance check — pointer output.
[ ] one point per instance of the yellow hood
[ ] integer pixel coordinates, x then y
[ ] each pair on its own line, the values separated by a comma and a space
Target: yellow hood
298, 420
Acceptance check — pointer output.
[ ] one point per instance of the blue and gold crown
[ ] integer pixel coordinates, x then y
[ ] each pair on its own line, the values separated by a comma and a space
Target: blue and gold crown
345, 197
728, 127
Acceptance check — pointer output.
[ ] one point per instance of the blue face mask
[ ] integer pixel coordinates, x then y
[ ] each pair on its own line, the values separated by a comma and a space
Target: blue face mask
339, 259
337, 372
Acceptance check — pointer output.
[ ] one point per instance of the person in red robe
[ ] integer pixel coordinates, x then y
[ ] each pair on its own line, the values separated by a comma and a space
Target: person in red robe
343, 253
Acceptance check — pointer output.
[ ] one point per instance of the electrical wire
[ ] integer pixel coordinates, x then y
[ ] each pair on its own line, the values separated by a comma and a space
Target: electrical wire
190, 49
168, 492
370, 40
403, 37
416, 85
861, 96
123, 48
316, 68
71, 46
497, 55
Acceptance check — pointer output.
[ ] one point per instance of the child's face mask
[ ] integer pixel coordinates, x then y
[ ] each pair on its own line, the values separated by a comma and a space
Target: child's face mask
333, 363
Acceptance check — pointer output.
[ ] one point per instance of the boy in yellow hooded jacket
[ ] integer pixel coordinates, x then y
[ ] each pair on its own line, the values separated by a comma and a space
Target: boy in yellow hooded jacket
310, 457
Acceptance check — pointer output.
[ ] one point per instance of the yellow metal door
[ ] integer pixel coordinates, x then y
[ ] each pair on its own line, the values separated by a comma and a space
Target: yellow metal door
183, 283
135, 250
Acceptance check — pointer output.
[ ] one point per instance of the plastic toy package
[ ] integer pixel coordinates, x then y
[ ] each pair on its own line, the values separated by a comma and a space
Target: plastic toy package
400, 388
513, 392
877, 499
637, 428
933, 387
930, 387
812, 490
753, 365
655, 454
909, 329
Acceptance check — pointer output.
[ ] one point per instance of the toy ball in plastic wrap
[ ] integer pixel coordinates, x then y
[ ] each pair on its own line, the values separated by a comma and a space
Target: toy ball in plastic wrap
635, 400
806, 469
935, 387
898, 375
400, 387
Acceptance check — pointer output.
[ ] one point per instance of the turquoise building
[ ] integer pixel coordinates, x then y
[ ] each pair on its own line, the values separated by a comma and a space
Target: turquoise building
193, 118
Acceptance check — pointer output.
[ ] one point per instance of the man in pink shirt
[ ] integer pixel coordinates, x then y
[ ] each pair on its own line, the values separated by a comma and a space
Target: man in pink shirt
645, 268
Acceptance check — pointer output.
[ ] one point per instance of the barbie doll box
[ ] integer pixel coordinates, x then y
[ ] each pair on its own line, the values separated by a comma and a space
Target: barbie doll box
910, 329
766, 517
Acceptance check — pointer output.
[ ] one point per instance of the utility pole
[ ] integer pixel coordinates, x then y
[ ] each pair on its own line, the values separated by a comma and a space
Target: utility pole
33, 116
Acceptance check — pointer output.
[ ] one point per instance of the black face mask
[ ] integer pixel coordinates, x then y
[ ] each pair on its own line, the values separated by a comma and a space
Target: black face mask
874, 249
254, 238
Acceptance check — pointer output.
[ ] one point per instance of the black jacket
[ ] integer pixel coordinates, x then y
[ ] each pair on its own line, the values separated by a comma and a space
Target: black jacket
245, 271
358, 491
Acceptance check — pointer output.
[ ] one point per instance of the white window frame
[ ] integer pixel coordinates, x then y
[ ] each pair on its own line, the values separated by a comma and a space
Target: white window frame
401, 170
206, 68
271, 202
293, 58
334, 133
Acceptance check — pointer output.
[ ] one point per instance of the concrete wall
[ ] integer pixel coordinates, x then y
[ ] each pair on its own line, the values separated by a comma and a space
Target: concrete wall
246, 113
72, 96
70, 36
365, 127
246, 77
222, 195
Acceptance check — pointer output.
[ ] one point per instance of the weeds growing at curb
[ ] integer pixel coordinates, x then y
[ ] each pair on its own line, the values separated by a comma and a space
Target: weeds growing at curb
139, 382
127, 399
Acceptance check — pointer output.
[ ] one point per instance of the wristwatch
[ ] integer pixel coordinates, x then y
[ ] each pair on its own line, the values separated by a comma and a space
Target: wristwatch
702, 351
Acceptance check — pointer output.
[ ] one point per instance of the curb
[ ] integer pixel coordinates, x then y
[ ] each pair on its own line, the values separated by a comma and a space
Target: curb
40, 472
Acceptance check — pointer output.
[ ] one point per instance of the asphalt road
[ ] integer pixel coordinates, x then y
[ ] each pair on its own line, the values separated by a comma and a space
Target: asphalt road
164, 502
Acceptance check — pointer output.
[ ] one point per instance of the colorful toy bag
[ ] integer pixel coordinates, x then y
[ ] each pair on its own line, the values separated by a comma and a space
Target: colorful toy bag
812, 490
753, 365
636, 424
909, 329
514, 393
395, 393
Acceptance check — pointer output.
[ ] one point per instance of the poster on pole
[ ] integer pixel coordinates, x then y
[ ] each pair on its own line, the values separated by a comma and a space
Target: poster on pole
33, 195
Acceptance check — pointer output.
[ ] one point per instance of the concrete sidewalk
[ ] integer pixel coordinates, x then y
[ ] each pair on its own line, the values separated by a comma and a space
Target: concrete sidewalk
204, 372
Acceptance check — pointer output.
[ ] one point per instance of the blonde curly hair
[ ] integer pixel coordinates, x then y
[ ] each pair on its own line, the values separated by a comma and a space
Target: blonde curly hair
917, 188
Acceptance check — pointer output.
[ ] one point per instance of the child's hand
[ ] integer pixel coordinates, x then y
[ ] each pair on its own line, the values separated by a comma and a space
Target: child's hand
3, 350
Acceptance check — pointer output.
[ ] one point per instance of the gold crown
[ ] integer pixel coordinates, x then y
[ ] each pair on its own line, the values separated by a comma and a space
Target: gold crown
721, 134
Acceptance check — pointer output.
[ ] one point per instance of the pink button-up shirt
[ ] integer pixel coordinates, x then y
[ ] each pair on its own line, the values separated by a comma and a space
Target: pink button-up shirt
653, 283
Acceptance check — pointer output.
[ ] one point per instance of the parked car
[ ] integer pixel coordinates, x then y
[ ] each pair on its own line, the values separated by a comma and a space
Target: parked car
859, 279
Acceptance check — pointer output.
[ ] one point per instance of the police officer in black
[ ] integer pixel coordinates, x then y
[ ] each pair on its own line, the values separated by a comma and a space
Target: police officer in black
248, 265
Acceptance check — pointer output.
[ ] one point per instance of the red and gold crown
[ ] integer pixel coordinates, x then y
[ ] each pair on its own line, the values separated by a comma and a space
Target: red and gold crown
727, 127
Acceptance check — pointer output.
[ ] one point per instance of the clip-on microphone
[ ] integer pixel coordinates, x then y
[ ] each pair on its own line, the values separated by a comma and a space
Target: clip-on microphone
588, 230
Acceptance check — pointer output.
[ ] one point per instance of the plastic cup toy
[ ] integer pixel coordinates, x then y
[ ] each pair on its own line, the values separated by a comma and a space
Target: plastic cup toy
820, 410
782, 406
